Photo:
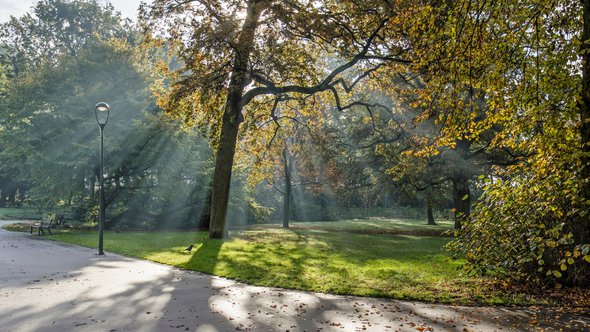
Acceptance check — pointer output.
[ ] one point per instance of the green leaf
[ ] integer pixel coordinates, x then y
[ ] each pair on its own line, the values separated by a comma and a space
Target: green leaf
563, 267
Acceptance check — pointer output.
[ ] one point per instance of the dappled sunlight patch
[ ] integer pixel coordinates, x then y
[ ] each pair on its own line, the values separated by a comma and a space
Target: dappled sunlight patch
267, 235
207, 328
409, 267
374, 224
169, 257
282, 238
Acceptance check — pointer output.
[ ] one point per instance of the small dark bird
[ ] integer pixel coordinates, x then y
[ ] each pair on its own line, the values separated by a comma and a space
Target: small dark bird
189, 248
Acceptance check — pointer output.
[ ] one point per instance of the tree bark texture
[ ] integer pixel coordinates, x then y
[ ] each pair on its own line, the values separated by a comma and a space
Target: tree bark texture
429, 214
205, 217
287, 192
231, 121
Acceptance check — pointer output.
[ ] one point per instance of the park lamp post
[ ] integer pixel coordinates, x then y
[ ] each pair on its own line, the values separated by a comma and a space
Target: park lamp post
101, 110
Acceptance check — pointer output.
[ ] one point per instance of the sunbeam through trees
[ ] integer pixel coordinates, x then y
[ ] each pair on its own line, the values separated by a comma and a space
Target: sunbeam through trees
230, 115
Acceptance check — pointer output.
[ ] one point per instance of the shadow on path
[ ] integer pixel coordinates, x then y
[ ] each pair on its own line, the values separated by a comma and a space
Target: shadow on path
46, 286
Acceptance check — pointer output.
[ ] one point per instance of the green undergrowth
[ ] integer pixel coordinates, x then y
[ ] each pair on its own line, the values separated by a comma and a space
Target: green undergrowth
400, 267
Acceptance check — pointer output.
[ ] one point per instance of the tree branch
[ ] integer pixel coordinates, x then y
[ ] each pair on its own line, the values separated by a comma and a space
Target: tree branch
330, 80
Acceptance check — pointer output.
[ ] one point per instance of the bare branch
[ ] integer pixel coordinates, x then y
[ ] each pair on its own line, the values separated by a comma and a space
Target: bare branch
275, 120
275, 187
329, 81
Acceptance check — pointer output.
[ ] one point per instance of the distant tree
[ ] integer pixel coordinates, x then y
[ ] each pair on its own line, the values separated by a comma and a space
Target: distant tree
56, 27
36, 41
280, 148
9, 172
156, 169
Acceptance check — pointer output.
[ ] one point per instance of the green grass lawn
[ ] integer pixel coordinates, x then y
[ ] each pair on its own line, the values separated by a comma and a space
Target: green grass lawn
402, 267
18, 213
376, 225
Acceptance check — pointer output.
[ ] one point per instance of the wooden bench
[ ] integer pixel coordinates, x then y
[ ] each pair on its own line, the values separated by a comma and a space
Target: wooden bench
42, 225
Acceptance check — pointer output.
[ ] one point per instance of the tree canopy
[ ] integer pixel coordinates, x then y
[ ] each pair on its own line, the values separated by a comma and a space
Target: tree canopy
241, 54
156, 169
476, 106
497, 79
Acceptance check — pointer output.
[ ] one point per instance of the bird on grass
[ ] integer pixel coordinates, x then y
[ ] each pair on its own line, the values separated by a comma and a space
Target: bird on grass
189, 248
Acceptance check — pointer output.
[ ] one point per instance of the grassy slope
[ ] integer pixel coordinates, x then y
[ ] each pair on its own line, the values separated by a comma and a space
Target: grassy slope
403, 267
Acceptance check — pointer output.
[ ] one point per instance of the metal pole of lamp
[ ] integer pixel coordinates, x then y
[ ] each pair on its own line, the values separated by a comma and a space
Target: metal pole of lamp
101, 110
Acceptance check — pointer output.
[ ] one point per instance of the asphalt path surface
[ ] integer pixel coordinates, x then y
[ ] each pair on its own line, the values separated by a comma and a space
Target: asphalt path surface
50, 286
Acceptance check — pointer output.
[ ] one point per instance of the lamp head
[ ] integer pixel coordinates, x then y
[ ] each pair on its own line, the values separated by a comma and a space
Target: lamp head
102, 107
101, 110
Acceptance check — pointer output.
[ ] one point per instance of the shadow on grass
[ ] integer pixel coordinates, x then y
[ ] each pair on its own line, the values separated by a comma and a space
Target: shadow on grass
206, 256
385, 266
76, 289
405, 267
327, 262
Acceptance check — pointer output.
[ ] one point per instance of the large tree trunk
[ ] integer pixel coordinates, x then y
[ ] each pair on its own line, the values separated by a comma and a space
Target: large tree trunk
231, 121
429, 213
461, 200
205, 218
287, 192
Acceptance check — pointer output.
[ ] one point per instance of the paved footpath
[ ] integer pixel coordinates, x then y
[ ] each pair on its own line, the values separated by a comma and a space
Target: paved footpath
48, 286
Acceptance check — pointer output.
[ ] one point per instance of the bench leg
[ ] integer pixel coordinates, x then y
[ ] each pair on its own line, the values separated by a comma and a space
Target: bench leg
31, 229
